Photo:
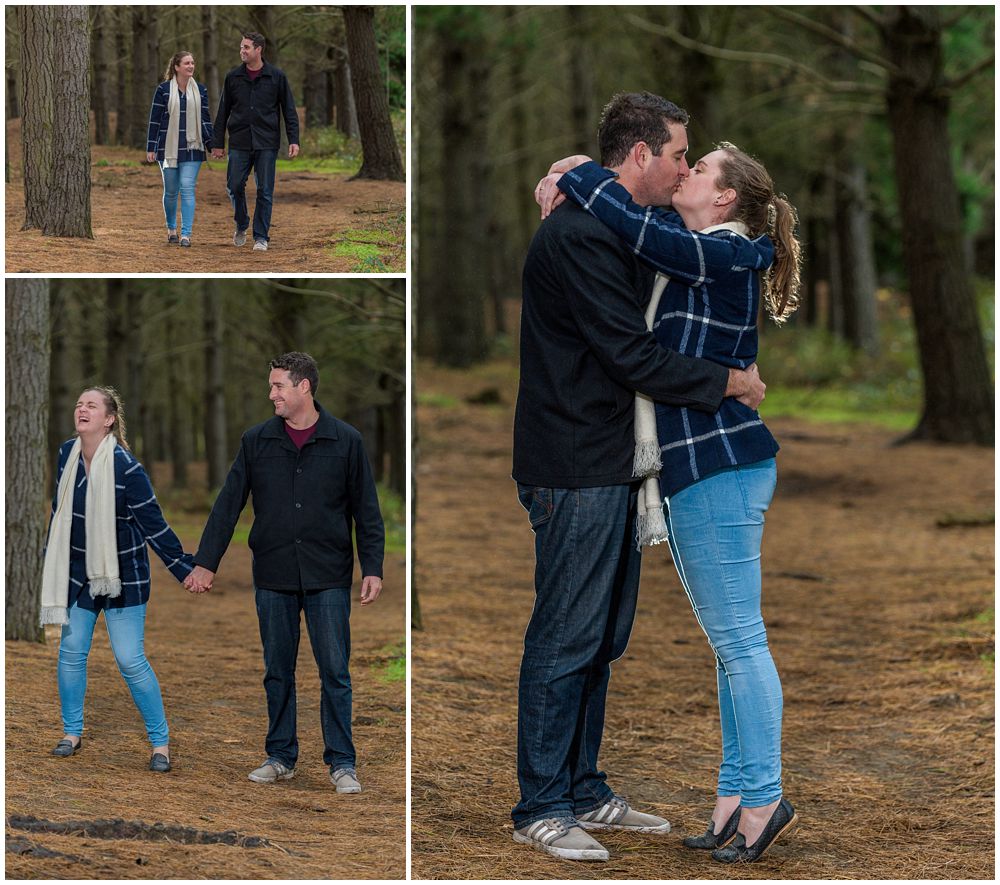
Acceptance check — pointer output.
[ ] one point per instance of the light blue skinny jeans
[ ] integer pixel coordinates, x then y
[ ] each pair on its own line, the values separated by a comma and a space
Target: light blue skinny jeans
180, 179
715, 528
126, 628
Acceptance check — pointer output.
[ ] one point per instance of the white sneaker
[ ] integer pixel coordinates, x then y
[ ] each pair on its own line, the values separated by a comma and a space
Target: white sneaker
345, 780
615, 814
260, 246
272, 770
555, 837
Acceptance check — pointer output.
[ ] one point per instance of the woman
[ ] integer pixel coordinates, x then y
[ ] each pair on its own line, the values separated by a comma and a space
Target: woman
729, 235
179, 128
104, 513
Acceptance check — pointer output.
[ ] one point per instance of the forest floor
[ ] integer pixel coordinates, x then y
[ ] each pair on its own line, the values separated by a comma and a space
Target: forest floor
320, 223
878, 598
207, 656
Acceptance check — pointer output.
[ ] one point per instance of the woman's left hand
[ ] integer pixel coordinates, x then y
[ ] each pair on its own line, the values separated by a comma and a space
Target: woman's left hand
150, 157
548, 195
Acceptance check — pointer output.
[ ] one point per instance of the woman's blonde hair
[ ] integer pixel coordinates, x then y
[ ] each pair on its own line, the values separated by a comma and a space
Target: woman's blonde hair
175, 60
764, 211
113, 403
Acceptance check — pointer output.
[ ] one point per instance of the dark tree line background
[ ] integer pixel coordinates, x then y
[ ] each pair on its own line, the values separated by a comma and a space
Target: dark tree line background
346, 65
190, 358
876, 121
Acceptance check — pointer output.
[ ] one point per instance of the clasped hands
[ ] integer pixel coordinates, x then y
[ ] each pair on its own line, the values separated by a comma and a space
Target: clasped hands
220, 153
200, 580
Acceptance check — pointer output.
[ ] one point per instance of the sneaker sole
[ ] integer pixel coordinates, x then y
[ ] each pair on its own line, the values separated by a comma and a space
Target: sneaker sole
348, 789
271, 780
649, 831
564, 853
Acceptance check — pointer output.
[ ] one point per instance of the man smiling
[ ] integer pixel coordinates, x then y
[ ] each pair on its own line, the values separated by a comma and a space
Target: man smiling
254, 96
311, 483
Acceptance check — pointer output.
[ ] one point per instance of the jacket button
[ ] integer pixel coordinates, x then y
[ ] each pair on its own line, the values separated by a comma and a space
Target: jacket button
298, 540
298, 506
299, 470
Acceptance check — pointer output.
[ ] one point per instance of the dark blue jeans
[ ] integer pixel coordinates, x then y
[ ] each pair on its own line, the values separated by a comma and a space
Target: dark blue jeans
586, 586
328, 622
237, 173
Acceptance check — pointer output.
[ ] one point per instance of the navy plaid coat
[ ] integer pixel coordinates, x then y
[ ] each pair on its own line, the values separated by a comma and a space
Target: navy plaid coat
708, 310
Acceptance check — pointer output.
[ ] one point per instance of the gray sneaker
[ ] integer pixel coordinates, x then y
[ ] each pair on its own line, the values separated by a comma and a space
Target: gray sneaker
615, 814
345, 780
561, 838
272, 770
239, 237
260, 246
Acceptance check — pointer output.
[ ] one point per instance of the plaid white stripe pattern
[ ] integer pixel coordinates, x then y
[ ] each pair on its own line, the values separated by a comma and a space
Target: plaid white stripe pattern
156, 130
708, 310
139, 523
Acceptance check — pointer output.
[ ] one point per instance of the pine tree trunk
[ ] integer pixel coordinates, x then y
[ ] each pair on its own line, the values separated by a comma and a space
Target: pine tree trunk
580, 90
37, 81
378, 142
135, 399
856, 254
142, 90
13, 91
216, 449
26, 309
121, 20
958, 392
99, 54
347, 112
177, 437
60, 404
210, 57
67, 213
116, 336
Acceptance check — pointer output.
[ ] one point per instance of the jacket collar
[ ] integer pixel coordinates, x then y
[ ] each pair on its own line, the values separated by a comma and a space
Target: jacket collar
266, 71
737, 227
326, 426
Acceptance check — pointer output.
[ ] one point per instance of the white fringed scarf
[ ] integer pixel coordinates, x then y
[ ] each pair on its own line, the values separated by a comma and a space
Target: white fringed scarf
650, 525
102, 541
192, 121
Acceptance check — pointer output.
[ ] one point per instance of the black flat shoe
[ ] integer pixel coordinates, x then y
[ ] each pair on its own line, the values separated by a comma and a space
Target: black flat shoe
711, 839
159, 762
782, 820
66, 747
172, 239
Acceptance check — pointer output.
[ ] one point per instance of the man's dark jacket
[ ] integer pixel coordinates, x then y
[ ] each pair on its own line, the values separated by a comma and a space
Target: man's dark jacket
304, 503
585, 350
250, 108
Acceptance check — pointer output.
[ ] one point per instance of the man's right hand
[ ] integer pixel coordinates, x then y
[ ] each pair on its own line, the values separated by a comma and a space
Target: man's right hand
200, 580
218, 153
745, 385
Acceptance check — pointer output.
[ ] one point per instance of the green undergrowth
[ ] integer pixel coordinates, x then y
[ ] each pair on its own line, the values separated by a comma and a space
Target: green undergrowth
391, 665
378, 243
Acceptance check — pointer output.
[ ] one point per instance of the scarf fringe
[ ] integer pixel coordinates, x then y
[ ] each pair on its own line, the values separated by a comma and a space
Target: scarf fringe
647, 458
53, 614
650, 528
110, 587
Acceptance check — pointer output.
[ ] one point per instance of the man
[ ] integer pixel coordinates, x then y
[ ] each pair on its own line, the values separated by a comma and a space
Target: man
252, 97
585, 350
310, 480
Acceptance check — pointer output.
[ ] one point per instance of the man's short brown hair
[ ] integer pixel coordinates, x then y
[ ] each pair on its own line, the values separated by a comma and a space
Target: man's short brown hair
255, 38
299, 366
631, 117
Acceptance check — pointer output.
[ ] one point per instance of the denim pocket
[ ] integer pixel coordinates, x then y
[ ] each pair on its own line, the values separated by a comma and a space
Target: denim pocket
537, 501
757, 482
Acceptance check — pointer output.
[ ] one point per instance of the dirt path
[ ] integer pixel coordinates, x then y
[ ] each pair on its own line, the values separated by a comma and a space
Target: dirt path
880, 622
311, 212
206, 652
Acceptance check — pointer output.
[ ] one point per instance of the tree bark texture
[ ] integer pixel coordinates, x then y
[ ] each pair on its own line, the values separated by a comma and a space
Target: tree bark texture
215, 380
210, 56
378, 142
60, 402
99, 59
958, 392
37, 82
856, 255
454, 295
121, 20
67, 211
26, 309
346, 110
